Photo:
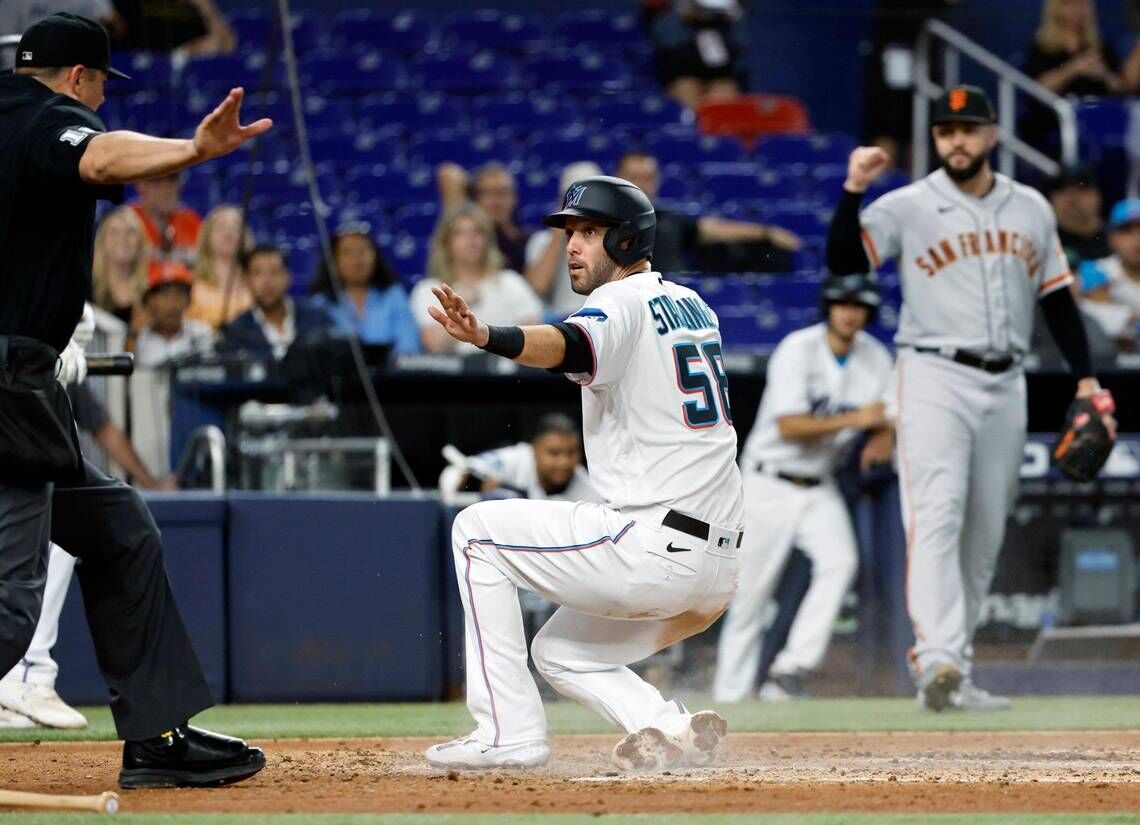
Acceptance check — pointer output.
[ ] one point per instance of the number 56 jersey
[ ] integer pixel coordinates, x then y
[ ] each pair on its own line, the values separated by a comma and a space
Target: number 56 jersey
655, 409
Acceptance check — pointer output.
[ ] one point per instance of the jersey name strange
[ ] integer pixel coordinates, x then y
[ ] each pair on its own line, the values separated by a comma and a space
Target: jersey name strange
682, 313
975, 245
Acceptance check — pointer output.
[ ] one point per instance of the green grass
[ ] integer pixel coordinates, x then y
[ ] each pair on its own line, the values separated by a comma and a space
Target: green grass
356, 720
582, 819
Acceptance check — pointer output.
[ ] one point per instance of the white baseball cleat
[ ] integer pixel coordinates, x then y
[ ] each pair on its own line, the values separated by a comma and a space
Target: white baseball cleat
701, 740
970, 697
40, 703
648, 749
10, 720
468, 753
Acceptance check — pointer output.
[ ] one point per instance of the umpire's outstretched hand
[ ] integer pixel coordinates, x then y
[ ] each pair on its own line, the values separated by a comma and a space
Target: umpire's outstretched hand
220, 132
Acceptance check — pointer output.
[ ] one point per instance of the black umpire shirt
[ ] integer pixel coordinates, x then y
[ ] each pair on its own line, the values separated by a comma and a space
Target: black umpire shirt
47, 212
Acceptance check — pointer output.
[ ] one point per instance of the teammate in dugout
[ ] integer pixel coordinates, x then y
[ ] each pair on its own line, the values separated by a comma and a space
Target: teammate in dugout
827, 384
657, 562
975, 250
56, 160
546, 467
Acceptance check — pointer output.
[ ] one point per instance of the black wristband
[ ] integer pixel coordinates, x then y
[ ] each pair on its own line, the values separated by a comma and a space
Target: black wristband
505, 341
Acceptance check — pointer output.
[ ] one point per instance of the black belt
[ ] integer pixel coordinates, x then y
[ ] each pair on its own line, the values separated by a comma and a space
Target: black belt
799, 481
687, 524
980, 361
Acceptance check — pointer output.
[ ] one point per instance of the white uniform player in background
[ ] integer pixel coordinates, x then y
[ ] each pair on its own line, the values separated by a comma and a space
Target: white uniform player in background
657, 562
27, 693
976, 251
547, 467
826, 384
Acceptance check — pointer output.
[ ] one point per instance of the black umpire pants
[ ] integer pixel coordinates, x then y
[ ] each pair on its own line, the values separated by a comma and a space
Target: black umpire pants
141, 644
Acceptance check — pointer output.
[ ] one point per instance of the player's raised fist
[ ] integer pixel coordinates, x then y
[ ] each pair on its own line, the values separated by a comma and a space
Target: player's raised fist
865, 164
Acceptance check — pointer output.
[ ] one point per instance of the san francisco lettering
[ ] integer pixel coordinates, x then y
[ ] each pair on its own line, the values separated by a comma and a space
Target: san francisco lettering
972, 245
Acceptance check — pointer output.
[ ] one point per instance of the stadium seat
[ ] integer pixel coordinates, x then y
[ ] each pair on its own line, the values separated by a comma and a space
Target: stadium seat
215, 76
465, 148
411, 113
683, 146
1101, 123
537, 186
148, 70
417, 220
642, 112
406, 32
520, 110
491, 29
553, 150
787, 150
259, 31
326, 112
750, 116
577, 28
887, 182
354, 73
355, 148
391, 185
481, 72
409, 257
805, 223
577, 72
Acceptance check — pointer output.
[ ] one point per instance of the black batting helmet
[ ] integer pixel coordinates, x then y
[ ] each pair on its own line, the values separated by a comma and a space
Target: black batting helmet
617, 203
856, 288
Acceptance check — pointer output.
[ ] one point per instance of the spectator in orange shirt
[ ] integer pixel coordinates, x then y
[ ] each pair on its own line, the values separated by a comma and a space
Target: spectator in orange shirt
220, 291
171, 226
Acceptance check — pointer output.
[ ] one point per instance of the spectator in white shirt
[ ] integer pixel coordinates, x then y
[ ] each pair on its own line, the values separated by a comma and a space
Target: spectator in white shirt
464, 254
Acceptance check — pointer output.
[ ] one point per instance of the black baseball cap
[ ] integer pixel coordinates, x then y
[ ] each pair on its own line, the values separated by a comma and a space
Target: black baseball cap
964, 104
64, 39
1079, 174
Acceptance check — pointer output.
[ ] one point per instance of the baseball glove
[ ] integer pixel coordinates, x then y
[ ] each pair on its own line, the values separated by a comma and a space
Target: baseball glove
1084, 444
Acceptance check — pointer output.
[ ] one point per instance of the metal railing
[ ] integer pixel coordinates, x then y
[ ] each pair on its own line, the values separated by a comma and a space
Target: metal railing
206, 444
1009, 81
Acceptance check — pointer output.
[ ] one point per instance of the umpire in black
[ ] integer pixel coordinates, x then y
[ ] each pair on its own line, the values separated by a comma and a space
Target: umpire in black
56, 160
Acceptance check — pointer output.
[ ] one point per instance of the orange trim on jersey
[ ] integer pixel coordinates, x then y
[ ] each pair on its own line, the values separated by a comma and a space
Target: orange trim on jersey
1064, 279
870, 244
904, 479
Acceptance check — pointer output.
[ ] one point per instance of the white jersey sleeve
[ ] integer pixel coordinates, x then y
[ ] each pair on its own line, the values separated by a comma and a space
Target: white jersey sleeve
612, 321
785, 389
1055, 273
881, 224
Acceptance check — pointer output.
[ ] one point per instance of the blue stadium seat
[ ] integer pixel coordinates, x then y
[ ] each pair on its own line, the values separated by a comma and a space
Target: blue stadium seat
888, 182
391, 185
417, 220
578, 72
730, 181
353, 73
642, 112
491, 29
827, 180
481, 72
538, 187
822, 148
531, 214
1102, 123
148, 70
326, 112
217, 75
805, 223
406, 32
520, 110
409, 256
583, 28
466, 149
412, 113
558, 148
258, 30
356, 148
690, 147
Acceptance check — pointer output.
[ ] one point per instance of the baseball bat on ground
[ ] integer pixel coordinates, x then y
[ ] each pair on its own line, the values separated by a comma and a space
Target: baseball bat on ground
110, 363
104, 803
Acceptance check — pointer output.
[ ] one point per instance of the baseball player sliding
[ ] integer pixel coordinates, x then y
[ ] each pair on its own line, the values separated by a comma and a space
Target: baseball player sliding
976, 250
657, 562
826, 384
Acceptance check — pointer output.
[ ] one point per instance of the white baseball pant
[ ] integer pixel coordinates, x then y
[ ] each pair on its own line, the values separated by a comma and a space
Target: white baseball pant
780, 516
37, 666
961, 433
624, 593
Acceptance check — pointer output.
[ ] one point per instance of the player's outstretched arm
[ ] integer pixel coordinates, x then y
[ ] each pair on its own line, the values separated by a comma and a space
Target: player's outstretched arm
124, 157
541, 346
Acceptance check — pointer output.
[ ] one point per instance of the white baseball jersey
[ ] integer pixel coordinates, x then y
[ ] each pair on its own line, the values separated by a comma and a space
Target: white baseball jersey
805, 378
656, 415
971, 267
514, 467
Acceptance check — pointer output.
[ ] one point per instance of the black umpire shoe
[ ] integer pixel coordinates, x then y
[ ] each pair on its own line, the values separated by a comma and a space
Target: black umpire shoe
188, 757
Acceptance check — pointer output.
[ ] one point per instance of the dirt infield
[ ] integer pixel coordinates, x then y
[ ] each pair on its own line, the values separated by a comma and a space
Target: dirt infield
1069, 771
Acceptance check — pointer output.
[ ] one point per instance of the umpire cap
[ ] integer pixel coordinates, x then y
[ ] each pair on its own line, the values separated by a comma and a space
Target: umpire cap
856, 288
617, 203
64, 39
964, 104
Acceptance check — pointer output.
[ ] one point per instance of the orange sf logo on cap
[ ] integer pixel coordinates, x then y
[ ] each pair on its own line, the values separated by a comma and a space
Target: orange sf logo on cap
958, 99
